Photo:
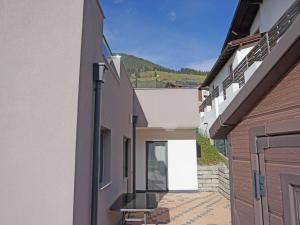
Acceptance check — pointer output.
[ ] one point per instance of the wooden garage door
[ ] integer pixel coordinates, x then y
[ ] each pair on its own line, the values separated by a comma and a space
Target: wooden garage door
276, 180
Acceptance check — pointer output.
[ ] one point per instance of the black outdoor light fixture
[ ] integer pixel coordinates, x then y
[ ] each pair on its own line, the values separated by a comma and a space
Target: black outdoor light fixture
98, 78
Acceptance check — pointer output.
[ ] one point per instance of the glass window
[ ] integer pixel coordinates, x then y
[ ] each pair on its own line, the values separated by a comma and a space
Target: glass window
105, 157
125, 157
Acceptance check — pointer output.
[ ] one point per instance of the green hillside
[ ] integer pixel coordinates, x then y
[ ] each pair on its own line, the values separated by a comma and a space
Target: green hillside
145, 73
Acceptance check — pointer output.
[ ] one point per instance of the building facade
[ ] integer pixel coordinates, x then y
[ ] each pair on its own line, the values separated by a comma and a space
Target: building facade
245, 47
261, 125
166, 157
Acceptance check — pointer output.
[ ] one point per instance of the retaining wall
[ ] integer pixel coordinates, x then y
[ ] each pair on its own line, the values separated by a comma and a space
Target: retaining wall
214, 178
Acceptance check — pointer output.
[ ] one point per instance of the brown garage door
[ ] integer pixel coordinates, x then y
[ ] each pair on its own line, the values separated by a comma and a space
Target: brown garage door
276, 178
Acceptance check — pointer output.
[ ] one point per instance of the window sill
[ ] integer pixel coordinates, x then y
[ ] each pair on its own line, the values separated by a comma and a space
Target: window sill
104, 186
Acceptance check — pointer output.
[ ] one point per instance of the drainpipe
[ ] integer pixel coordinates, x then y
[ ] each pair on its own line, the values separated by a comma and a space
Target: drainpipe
134, 122
98, 74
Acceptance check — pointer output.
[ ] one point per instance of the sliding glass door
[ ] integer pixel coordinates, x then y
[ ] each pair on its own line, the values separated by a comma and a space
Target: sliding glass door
156, 166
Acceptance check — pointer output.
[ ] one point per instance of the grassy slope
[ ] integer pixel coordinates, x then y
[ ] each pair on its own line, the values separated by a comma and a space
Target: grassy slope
145, 71
168, 77
209, 154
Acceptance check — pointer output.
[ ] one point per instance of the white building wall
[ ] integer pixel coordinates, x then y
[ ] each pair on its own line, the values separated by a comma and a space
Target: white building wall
181, 156
182, 165
270, 11
219, 104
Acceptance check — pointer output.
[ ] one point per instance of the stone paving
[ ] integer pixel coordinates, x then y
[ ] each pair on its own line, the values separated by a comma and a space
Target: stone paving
203, 208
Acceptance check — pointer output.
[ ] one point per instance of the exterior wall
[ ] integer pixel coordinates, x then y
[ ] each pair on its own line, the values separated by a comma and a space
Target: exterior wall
182, 165
117, 107
269, 12
169, 108
181, 151
214, 178
90, 53
280, 104
219, 104
40, 61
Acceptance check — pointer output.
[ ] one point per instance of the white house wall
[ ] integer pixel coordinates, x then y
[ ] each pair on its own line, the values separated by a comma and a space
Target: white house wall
181, 156
270, 11
219, 104
182, 166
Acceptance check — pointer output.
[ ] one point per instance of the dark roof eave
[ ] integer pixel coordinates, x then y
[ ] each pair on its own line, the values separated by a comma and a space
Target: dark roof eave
244, 15
274, 67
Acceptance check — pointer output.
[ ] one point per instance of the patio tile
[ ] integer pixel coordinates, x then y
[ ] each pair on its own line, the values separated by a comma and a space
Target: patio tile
203, 208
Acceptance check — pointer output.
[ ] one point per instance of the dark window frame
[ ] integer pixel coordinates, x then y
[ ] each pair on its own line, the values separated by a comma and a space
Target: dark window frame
289, 184
125, 157
105, 158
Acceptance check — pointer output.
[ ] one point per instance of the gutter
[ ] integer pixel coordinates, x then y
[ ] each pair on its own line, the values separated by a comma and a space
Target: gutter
98, 75
275, 66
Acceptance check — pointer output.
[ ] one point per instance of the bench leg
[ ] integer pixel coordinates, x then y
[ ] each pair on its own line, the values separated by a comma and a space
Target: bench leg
145, 218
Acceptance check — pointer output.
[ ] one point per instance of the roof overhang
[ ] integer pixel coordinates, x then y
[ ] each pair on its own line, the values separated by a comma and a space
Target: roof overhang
275, 66
242, 20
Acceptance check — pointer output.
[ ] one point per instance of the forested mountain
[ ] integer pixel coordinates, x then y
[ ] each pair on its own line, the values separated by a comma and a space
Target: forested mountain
135, 65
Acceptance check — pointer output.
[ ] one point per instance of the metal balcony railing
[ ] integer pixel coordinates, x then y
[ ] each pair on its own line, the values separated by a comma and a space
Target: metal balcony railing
261, 50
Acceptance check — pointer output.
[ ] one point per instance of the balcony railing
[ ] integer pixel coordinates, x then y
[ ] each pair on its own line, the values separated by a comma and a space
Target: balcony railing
261, 50
208, 100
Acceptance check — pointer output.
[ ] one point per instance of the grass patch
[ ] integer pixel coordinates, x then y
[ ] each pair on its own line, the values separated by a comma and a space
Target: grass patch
209, 153
149, 76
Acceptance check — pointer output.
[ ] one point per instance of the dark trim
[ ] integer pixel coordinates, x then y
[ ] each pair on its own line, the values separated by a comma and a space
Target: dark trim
167, 179
253, 134
243, 18
288, 181
275, 66
134, 123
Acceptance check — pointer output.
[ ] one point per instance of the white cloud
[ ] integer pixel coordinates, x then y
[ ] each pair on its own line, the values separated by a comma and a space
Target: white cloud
172, 15
204, 65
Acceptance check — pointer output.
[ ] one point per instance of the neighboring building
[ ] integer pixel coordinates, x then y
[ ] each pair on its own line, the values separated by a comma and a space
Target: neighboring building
166, 157
252, 36
263, 128
51, 128
47, 114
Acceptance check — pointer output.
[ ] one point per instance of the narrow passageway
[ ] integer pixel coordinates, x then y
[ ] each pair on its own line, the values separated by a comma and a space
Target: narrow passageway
203, 208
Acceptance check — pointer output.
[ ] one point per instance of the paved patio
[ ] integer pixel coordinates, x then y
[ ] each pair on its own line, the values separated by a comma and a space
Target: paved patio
204, 208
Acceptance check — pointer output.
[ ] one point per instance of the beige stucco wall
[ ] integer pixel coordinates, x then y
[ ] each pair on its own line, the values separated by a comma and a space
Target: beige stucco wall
168, 108
40, 59
117, 106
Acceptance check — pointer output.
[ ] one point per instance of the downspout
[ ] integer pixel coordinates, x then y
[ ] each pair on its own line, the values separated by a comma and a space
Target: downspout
134, 122
98, 74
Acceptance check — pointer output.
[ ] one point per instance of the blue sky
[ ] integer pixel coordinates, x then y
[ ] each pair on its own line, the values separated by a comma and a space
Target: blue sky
172, 33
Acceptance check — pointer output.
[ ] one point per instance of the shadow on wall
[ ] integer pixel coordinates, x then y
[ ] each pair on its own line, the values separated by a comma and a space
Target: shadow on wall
138, 111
